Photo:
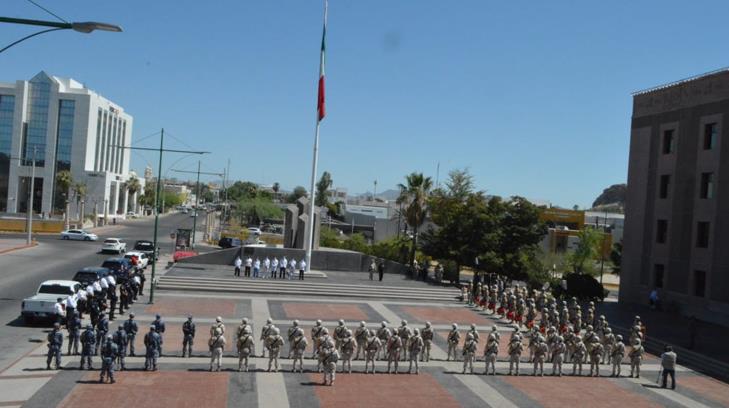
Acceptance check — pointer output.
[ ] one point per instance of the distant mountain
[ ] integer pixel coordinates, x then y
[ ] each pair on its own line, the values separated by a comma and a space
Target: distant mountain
387, 195
612, 196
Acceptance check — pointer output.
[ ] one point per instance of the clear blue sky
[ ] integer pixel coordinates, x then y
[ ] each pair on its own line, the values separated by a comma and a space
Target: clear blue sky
532, 96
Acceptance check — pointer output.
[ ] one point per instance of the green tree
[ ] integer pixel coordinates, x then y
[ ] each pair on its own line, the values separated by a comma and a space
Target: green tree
252, 211
64, 181
322, 186
80, 190
414, 194
582, 258
521, 233
616, 257
299, 192
133, 186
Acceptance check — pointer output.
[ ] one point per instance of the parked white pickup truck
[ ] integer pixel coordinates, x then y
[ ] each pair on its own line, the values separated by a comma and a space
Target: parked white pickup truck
42, 305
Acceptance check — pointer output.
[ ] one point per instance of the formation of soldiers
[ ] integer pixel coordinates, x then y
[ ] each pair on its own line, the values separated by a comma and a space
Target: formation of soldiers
549, 330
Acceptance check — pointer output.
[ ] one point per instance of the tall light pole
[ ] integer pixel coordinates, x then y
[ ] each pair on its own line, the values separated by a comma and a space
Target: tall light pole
159, 193
81, 27
197, 194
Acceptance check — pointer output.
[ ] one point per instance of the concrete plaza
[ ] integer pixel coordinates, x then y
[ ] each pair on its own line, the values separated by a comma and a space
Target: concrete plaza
186, 382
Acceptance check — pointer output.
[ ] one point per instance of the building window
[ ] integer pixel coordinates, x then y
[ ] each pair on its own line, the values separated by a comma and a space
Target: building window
710, 134
661, 231
702, 234
669, 142
7, 113
707, 185
665, 185
658, 275
700, 283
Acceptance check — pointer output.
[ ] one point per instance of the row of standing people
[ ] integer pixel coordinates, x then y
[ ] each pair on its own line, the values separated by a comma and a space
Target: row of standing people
272, 269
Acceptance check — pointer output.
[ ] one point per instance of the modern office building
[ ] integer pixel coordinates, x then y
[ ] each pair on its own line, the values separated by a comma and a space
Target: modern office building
62, 125
676, 223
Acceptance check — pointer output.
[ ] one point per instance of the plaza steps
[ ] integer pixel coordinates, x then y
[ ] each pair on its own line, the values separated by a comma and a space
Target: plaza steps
687, 358
305, 288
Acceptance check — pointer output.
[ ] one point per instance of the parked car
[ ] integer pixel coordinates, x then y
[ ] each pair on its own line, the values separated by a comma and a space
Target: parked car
114, 245
147, 247
120, 267
142, 259
229, 242
42, 305
254, 231
131, 214
90, 275
79, 235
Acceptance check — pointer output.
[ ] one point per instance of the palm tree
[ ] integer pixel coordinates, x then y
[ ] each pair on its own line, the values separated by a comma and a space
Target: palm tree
133, 187
80, 190
414, 195
64, 181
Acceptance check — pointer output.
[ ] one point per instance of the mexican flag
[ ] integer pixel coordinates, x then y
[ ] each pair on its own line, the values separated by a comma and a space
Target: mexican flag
321, 103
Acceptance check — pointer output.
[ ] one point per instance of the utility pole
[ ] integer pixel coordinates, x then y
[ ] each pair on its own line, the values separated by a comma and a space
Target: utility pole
161, 150
197, 194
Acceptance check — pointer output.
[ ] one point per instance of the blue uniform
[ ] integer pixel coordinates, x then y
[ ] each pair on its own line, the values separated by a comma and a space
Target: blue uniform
120, 339
131, 328
109, 351
88, 344
102, 328
152, 343
188, 332
55, 342
74, 334
159, 328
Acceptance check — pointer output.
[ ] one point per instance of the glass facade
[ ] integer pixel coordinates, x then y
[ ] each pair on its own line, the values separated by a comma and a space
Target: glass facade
64, 141
7, 110
37, 129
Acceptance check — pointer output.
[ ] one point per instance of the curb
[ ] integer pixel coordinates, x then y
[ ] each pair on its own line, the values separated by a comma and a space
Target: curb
5, 251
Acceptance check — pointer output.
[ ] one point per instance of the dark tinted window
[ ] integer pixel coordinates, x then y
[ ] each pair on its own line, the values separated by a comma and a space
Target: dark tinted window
702, 234
699, 283
55, 290
85, 276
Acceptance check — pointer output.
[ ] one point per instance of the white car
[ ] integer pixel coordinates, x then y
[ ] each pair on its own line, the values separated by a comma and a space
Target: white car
78, 234
254, 231
114, 245
142, 260
43, 304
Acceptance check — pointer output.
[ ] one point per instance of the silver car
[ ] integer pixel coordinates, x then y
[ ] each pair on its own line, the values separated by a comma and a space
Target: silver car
79, 235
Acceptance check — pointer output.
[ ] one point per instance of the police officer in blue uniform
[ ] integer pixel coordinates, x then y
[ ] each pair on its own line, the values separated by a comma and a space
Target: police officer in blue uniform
131, 329
88, 343
109, 352
55, 342
120, 339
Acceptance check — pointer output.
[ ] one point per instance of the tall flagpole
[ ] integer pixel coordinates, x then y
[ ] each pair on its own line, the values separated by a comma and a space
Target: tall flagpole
319, 116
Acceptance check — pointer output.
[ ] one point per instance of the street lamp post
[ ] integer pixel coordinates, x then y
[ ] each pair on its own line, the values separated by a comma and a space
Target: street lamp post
197, 194
161, 150
81, 27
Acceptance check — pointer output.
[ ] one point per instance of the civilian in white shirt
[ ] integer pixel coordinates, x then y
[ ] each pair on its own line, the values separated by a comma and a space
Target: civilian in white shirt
110, 279
238, 263
81, 302
292, 269
249, 264
266, 267
274, 268
302, 268
282, 268
256, 268
71, 306
97, 287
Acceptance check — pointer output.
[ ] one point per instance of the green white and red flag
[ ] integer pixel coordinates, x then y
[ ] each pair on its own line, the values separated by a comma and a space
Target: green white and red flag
321, 102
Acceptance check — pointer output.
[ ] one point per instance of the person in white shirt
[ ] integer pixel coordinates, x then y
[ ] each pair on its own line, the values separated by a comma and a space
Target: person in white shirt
266, 267
238, 263
81, 302
59, 311
110, 279
282, 268
302, 268
71, 305
249, 264
104, 284
274, 268
97, 287
256, 268
292, 268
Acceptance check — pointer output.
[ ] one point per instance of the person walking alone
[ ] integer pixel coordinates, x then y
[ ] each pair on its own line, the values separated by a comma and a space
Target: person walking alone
381, 269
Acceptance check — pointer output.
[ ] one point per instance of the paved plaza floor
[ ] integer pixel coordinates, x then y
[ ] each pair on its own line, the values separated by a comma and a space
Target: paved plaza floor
186, 382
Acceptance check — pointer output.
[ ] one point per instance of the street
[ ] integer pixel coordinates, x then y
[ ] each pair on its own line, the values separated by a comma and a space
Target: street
21, 272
